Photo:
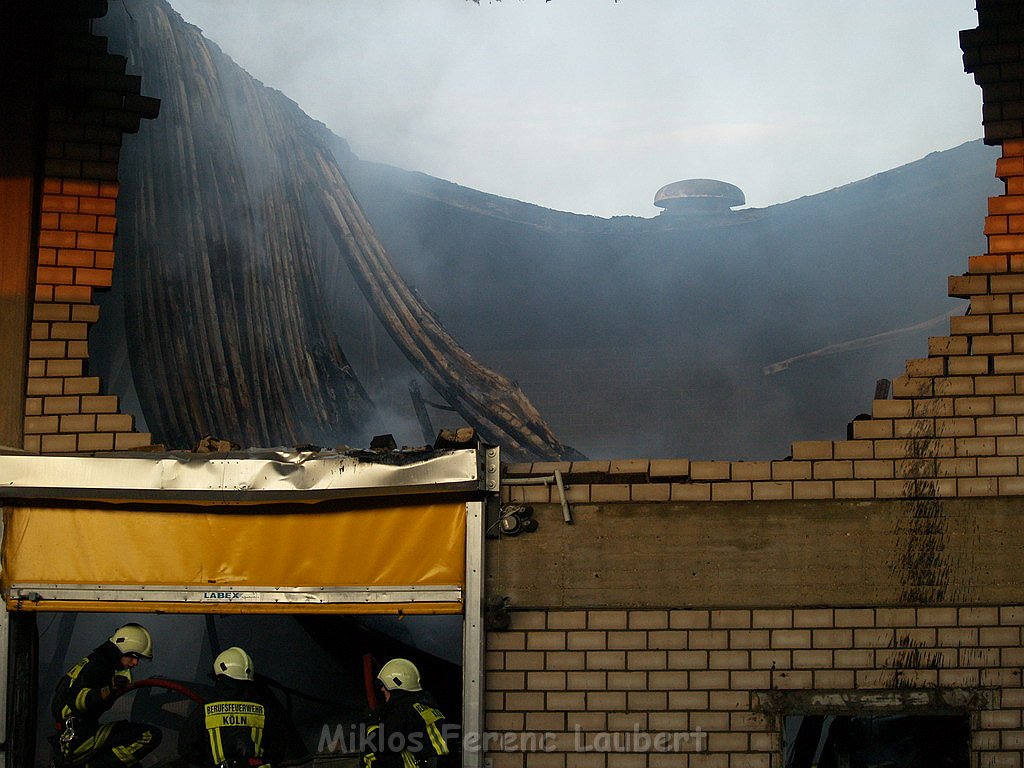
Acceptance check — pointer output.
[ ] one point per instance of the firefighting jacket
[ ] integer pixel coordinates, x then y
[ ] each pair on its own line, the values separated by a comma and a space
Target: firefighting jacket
411, 733
241, 721
78, 694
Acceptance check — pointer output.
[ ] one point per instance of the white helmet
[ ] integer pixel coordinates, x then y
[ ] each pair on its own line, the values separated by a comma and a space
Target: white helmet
133, 639
235, 663
400, 674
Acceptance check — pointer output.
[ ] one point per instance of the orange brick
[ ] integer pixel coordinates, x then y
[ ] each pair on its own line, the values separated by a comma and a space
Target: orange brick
1005, 323
39, 387
73, 257
1010, 283
79, 222
75, 294
80, 187
1005, 204
996, 225
78, 349
98, 241
108, 189
988, 263
55, 275
100, 278
98, 205
56, 239
1006, 243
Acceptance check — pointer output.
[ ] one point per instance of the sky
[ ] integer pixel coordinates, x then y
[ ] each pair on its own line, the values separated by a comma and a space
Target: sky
591, 106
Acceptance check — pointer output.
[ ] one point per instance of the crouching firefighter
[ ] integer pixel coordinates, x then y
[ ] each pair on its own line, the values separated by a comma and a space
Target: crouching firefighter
87, 691
411, 729
240, 726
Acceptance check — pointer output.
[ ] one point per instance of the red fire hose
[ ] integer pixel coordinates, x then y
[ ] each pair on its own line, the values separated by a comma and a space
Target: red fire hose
159, 682
369, 683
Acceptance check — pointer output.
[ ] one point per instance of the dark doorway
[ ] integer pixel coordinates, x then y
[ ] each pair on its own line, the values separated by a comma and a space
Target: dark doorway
876, 741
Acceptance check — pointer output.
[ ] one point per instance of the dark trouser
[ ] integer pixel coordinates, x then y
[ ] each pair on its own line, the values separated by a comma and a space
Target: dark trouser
115, 745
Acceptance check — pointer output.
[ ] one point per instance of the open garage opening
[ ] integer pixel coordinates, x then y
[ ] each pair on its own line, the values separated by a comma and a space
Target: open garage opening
320, 668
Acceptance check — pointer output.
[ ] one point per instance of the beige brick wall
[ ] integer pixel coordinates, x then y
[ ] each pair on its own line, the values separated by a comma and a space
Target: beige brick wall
93, 104
573, 689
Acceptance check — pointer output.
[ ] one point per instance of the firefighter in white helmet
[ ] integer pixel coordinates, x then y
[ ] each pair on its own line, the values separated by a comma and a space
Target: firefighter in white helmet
240, 725
87, 691
411, 732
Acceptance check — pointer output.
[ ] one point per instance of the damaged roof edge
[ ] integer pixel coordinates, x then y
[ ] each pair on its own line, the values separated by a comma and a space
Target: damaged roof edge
251, 476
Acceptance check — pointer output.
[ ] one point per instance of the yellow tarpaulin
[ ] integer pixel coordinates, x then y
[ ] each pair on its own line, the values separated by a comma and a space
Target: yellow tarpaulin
414, 546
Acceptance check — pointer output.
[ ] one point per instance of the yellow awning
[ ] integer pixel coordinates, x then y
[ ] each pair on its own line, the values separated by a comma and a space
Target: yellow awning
382, 558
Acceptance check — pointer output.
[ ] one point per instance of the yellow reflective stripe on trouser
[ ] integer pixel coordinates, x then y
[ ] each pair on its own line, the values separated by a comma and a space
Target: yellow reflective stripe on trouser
93, 743
408, 761
126, 753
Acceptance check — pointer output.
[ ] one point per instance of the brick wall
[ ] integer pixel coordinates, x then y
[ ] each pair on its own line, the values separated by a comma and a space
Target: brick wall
583, 683
91, 103
993, 54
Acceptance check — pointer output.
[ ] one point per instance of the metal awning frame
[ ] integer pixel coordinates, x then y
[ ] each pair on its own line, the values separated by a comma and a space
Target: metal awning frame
259, 477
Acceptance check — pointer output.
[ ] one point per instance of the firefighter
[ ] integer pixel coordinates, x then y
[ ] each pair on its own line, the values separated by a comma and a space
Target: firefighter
87, 691
241, 725
411, 729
